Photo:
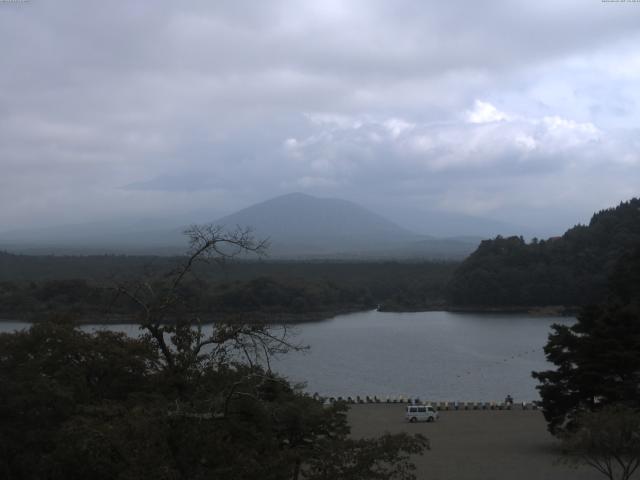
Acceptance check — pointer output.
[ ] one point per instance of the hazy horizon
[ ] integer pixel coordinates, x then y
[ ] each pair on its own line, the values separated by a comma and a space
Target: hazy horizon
414, 220
295, 225
522, 113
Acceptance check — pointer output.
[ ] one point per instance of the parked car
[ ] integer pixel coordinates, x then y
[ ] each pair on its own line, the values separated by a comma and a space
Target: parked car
421, 413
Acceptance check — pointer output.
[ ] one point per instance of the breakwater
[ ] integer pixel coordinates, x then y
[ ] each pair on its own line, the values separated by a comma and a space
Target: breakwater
440, 406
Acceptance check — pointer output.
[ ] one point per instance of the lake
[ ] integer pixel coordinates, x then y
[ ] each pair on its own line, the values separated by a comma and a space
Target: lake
438, 356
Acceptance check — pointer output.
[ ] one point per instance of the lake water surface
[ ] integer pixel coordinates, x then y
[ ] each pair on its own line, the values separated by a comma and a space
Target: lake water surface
434, 355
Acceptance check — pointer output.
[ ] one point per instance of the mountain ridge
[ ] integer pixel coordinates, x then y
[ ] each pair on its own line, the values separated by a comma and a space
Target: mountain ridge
298, 225
318, 225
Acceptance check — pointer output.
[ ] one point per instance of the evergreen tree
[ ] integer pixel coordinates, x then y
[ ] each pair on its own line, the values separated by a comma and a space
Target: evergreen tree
598, 358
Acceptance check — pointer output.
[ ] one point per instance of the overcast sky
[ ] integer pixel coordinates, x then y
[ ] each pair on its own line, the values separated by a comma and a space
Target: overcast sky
521, 111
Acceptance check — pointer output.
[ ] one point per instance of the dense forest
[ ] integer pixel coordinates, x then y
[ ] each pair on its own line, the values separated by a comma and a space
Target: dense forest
87, 286
570, 270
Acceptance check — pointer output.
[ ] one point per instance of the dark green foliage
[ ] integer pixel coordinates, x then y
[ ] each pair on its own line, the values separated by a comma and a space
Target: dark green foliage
240, 287
376, 459
570, 270
597, 359
104, 406
55, 373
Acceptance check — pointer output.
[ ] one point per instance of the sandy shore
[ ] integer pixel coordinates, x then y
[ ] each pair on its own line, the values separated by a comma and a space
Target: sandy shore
475, 445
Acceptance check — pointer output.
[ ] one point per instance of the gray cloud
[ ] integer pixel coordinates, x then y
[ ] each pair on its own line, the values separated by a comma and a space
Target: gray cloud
112, 109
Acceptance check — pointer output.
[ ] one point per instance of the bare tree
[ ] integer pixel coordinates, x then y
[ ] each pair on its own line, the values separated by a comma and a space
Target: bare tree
177, 330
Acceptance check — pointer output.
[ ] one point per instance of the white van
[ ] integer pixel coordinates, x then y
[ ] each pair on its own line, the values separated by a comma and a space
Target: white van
418, 413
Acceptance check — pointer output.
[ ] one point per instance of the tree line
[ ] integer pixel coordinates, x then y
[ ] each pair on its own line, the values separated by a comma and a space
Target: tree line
570, 270
295, 288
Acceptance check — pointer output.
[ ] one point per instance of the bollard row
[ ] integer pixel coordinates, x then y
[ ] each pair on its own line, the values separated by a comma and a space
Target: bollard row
441, 406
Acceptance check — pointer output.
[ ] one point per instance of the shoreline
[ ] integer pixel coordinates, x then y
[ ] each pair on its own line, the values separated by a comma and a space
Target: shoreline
535, 310
285, 318
290, 318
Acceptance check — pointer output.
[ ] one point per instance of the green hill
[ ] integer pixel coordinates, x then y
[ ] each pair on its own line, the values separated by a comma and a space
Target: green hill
568, 270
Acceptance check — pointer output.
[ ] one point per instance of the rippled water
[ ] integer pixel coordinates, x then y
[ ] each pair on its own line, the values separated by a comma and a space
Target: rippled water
434, 355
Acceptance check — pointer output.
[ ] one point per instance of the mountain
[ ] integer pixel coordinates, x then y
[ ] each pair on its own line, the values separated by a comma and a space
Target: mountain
302, 225
299, 223
297, 226
569, 270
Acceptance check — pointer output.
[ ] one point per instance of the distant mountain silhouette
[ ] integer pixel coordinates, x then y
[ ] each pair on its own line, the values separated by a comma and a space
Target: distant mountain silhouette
299, 223
297, 226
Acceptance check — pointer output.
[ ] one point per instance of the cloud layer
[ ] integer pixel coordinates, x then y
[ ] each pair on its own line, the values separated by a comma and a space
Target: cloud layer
521, 111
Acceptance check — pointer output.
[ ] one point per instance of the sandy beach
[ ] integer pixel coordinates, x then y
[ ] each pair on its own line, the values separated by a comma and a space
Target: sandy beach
475, 445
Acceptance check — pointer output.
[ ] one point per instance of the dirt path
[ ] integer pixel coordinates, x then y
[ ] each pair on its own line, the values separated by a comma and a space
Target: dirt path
475, 445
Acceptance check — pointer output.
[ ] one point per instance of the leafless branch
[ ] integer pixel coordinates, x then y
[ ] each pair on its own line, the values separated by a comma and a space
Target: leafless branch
183, 340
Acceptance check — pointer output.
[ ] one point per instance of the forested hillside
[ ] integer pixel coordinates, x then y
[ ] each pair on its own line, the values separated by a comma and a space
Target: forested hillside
32, 286
570, 270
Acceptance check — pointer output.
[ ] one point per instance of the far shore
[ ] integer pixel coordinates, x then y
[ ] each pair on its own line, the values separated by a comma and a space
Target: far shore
536, 310
305, 317
255, 317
